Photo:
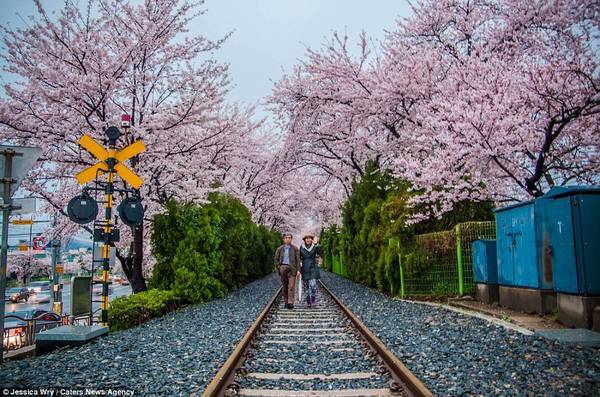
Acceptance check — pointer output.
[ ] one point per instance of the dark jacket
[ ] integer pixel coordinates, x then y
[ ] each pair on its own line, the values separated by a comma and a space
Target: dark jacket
294, 258
310, 270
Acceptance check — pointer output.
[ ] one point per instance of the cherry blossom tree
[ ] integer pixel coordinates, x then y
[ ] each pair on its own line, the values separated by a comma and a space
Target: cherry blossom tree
279, 193
507, 97
80, 70
324, 106
24, 266
468, 100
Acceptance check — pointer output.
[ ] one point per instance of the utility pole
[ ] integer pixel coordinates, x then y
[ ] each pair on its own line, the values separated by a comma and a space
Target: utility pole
56, 285
7, 181
17, 162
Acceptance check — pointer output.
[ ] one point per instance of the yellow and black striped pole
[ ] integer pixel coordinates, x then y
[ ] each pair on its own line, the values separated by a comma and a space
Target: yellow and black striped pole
113, 134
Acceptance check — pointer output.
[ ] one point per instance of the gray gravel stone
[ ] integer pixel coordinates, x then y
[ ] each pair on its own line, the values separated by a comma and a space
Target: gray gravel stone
455, 354
177, 354
305, 352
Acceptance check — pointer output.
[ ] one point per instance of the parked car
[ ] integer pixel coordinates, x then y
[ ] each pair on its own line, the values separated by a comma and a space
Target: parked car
16, 294
15, 326
41, 297
39, 286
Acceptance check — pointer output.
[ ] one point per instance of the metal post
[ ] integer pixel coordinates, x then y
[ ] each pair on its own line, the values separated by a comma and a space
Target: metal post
6, 208
56, 286
31, 235
459, 261
401, 271
113, 135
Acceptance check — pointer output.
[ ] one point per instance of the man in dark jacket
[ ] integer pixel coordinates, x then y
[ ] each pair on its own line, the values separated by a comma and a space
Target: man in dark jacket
287, 259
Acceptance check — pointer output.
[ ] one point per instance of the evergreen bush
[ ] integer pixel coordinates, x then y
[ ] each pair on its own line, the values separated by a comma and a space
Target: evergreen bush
130, 311
201, 251
376, 214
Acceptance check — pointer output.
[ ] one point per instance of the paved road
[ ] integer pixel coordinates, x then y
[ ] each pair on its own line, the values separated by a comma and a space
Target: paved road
117, 290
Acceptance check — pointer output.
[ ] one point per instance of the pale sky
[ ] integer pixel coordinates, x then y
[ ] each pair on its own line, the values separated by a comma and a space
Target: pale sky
270, 35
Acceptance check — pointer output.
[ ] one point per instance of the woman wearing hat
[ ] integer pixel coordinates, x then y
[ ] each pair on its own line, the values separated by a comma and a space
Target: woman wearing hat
309, 269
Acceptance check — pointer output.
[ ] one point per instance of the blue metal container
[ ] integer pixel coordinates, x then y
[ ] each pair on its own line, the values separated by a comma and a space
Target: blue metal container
571, 238
485, 269
518, 246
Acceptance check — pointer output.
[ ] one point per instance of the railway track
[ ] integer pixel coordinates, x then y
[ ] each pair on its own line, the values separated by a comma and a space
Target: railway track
324, 350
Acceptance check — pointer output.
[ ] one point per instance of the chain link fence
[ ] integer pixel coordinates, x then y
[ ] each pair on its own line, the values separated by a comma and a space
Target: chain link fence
444, 266
441, 264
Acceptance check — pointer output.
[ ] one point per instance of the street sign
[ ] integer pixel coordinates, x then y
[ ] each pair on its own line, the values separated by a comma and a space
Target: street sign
22, 221
23, 247
21, 164
39, 243
39, 256
60, 269
102, 154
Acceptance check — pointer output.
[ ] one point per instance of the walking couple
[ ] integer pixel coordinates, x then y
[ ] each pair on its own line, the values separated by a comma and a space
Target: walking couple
291, 261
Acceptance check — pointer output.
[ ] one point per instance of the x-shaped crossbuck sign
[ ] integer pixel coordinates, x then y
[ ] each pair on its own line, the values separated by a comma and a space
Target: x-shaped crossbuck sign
102, 154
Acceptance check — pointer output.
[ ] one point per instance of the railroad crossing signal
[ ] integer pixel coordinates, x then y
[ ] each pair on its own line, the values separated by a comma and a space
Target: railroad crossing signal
83, 208
103, 154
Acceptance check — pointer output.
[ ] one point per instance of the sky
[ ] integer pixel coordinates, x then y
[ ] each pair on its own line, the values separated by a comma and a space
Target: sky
269, 35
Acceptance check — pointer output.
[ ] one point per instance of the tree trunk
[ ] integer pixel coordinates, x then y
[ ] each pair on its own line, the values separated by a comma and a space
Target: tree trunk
132, 263
138, 283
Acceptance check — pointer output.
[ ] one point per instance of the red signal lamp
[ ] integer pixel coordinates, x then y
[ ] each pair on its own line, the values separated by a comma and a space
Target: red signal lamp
125, 121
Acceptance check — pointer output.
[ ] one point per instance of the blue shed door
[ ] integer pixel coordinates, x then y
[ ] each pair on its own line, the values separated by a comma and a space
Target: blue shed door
504, 249
560, 228
588, 243
524, 247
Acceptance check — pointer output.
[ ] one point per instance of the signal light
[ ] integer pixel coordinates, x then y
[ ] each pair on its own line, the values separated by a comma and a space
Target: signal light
113, 133
125, 121
82, 209
131, 211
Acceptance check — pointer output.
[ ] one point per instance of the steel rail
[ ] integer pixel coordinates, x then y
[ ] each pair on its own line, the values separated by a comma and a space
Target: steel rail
224, 377
407, 383
398, 371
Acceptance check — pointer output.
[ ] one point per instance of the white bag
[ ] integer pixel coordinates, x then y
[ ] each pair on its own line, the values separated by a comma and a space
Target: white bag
298, 289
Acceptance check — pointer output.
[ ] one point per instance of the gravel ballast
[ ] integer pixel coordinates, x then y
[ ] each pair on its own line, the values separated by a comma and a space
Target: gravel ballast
455, 354
317, 341
177, 354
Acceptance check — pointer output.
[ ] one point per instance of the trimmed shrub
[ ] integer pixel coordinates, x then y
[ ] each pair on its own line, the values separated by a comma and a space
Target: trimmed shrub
202, 251
130, 311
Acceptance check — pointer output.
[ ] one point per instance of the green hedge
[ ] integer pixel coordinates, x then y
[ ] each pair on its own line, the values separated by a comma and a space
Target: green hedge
130, 311
203, 251
374, 215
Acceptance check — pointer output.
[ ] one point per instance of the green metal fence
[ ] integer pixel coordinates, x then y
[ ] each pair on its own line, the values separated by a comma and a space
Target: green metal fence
446, 267
442, 263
